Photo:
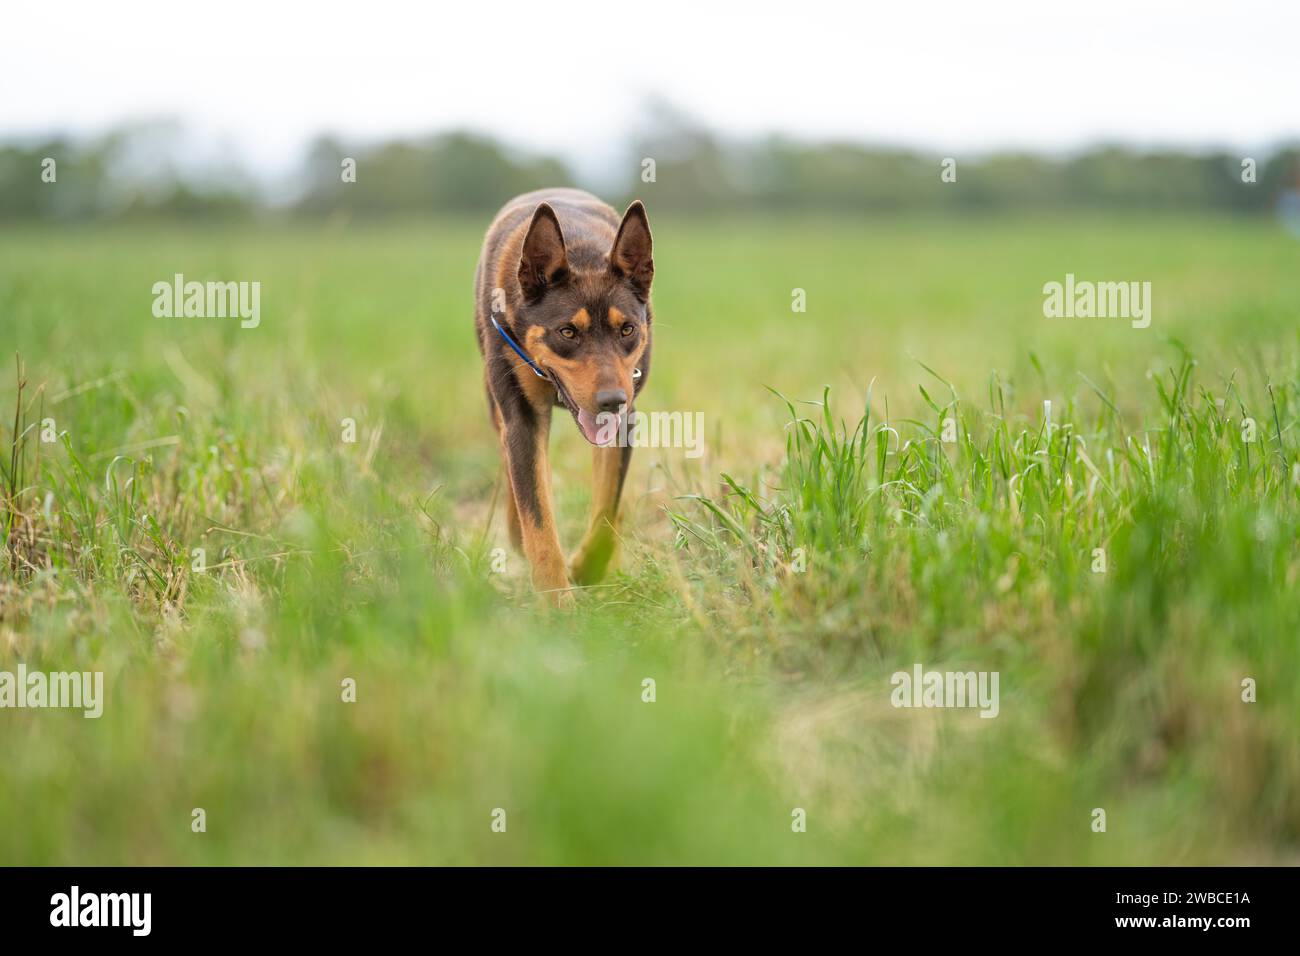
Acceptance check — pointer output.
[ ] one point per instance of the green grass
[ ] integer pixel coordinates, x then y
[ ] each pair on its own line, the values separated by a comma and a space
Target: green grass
373, 561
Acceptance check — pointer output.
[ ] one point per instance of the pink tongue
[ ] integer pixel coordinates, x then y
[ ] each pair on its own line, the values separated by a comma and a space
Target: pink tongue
602, 431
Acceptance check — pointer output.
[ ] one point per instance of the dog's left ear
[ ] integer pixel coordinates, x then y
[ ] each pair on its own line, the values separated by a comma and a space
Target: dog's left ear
630, 257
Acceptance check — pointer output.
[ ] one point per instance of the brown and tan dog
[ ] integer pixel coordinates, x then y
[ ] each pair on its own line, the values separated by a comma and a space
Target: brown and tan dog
562, 311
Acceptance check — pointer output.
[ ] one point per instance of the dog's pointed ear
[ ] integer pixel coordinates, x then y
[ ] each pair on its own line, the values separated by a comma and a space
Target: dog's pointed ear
630, 256
543, 262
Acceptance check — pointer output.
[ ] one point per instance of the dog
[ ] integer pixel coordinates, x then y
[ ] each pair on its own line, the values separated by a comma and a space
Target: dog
563, 317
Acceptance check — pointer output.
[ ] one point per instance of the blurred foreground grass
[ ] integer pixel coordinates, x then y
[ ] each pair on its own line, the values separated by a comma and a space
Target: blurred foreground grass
371, 560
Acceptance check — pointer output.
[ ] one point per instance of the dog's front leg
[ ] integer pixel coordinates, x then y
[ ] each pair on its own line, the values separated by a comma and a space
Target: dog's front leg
511, 509
608, 469
530, 481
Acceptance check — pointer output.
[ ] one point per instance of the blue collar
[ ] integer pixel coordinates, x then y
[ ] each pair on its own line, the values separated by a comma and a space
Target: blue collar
518, 351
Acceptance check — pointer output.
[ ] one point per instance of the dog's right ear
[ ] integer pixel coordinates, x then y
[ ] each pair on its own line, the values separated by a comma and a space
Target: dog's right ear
542, 262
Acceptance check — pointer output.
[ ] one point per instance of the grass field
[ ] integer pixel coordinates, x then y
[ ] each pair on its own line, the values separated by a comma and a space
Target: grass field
327, 560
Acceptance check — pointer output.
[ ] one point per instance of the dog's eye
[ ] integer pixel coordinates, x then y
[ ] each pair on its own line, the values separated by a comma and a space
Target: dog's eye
628, 329
569, 332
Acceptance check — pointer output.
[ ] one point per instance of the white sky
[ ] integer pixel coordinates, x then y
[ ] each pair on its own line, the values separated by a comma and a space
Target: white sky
572, 77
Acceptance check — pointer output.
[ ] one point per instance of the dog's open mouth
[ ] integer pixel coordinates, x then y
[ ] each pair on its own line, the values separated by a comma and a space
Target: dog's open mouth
602, 429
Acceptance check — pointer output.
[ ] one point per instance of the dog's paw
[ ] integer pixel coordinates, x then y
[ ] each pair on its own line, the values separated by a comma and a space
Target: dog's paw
588, 568
551, 583
561, 600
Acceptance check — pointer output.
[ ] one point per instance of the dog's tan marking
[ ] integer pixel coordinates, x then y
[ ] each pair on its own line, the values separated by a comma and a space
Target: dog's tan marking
576, 374
615, 318
535, 345
589, 562
541, 540
581, 319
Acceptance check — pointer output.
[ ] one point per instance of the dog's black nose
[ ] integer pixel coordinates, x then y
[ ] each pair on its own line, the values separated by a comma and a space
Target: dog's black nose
611, 399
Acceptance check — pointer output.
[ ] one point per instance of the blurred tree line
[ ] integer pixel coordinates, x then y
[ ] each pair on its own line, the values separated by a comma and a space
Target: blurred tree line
132, 172
145, 171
